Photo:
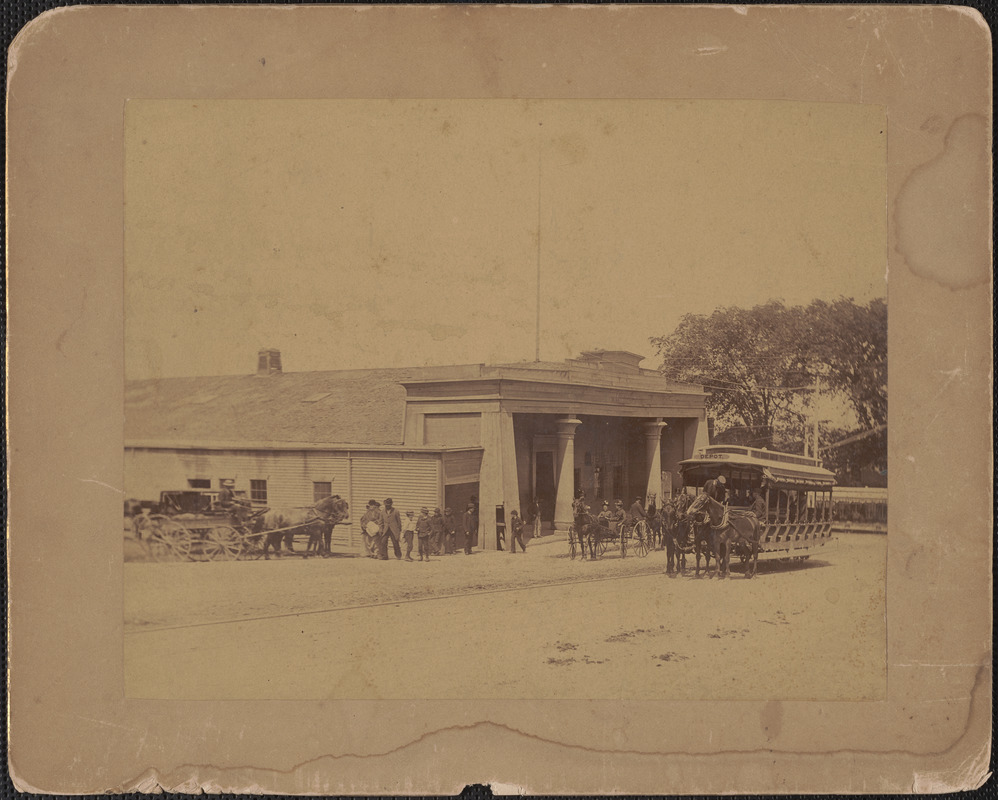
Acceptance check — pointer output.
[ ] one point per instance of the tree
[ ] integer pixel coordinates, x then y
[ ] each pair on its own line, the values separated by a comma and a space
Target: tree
753, 361
761, 366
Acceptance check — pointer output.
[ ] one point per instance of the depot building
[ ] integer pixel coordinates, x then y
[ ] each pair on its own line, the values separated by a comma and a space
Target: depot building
424, 436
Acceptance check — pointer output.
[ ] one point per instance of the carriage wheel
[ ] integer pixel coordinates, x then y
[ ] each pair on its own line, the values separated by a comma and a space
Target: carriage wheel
572, 547
601, 544
641, 539
252, 547
221, 543
168, 540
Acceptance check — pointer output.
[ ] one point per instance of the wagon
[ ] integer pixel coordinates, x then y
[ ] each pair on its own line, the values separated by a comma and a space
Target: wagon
199, 537
186, 526
587, 534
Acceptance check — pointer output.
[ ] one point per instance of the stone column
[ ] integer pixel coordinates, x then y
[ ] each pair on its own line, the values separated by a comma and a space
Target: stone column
565, 472
653, 448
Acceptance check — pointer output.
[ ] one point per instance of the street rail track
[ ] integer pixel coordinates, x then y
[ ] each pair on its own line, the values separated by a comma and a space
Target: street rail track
382, 603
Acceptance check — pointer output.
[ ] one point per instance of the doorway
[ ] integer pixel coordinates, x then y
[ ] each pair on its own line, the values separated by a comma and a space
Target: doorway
545, 489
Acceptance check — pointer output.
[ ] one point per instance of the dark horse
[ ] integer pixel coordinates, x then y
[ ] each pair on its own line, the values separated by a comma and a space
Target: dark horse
730, 528
318, 521
672, 530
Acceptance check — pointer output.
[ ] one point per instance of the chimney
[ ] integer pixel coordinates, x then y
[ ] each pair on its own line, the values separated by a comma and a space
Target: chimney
269, 362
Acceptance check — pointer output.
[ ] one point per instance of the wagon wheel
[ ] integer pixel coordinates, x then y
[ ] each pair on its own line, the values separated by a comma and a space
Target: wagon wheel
168, 540
221, 543
252, 547
572, 537
601, 543
641, 539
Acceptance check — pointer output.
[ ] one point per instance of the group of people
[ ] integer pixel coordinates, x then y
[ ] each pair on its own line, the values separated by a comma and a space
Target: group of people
435, 534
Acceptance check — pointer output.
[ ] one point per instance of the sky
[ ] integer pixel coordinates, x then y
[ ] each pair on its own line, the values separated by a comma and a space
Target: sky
356, 233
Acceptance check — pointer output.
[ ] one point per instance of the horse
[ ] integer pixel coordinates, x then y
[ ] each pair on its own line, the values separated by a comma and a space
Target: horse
675, 539
703, 542
730, 528
281, 525
588, 529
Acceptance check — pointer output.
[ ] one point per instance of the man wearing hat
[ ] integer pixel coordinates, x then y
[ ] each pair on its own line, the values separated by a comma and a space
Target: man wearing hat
717, 489
437, 528
470, 527
450, 530
227, 501
372, 526
408, 531
423, 531
516, 528
393, 529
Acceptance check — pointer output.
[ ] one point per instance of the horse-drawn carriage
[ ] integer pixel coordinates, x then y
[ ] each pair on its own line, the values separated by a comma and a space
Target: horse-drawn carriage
190, 526
593, 535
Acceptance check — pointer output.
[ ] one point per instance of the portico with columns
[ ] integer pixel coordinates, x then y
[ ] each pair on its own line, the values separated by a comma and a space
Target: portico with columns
597, 424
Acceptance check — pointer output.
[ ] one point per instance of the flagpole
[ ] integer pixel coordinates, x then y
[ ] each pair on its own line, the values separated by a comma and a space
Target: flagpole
537, 324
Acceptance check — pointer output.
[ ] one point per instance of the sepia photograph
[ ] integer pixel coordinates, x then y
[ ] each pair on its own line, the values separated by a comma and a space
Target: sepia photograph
505, 399
410, 398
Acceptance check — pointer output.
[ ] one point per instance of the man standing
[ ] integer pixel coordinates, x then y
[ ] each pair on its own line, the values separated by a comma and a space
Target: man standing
393, 528
758, 506
437, 535
408, 530
423, 531
450, 530
534, 517
372, 526
516, 526
470, 527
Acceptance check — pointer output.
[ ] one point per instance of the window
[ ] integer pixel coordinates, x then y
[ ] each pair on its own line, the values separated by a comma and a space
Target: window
321, 490
199, 483
258, 491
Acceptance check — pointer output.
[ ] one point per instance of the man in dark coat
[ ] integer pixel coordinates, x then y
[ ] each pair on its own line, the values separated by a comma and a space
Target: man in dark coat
534, 516
716, 489
636, 511
393, 529
516, 526
437, 539
423, 532
470, 527
450, 531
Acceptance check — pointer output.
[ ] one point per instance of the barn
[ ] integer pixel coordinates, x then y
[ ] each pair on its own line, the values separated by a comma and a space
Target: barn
424, 436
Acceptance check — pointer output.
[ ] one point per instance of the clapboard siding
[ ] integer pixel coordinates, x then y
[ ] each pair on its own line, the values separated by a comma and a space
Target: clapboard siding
411, 480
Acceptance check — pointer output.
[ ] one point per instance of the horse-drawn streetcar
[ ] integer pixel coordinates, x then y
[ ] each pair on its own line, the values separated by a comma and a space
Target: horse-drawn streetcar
789, 497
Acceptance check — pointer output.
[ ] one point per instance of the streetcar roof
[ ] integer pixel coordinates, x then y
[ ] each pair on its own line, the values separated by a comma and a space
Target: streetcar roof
784, 470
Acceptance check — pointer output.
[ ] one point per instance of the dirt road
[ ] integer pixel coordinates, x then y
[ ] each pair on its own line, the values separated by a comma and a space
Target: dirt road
497, 625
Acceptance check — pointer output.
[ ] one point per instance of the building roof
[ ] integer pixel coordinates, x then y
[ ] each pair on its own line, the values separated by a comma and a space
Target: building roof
351, 407
365, 407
